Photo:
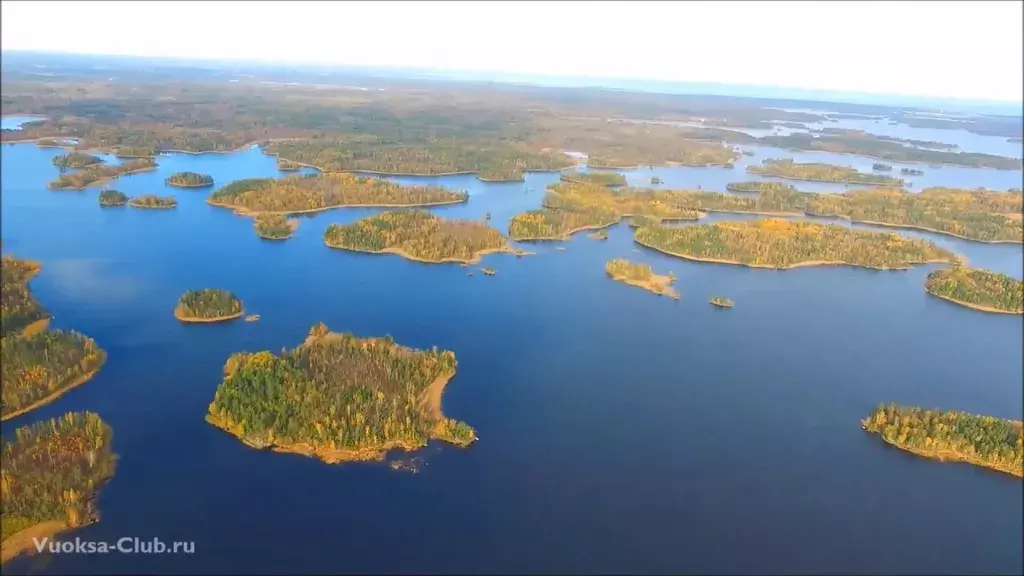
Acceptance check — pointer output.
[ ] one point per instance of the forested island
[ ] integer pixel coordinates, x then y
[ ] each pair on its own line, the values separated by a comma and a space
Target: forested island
208, 305
655, 180
316, 192
112, 198
978, 289
20, 309
759, 186
911, 172
96, 173
980, 215
418, 235
599, 178
50, 474
720, 302
569, 208
37, 368
338, 398
954, 436
777, 243
153, 201
275, 226
434, 157
636, 274
599, 235
881, 167
817, 172
189, 180
75, 160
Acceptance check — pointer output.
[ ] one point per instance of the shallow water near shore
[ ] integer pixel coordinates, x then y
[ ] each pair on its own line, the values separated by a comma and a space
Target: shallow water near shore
619, 431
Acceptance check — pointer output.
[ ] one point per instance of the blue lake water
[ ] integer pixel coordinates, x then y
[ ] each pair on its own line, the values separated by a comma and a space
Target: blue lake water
619, 431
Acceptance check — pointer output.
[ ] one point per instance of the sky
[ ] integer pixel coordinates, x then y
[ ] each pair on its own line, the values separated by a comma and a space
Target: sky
966, 50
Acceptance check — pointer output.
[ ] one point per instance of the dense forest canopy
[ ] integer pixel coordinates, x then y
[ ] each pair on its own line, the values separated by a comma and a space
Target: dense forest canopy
189, 180
153, 201
294, 194
342, 397
208, 304
96, 173
981, 440
978, 288
777, 243
36, 366
420, 235
52, 470
18, 306
112, 198
817, 172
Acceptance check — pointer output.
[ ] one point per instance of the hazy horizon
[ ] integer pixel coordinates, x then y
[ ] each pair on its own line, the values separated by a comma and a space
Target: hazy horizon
793, 46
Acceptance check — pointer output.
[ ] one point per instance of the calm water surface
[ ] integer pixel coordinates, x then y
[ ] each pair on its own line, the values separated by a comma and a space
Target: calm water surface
619, 431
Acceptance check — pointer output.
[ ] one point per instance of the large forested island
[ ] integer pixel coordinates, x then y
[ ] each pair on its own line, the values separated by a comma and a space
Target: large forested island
600, 178
96, 173
418, 235
275, 226
189, 180
312, 193
777, 243
571, 207
816, 172
977, 289
433, 157
50, 473
955, 436
981, 215
20, 310
153, 201
75, 160
338, 398
37, 368
637, 274
208, 305
113, 198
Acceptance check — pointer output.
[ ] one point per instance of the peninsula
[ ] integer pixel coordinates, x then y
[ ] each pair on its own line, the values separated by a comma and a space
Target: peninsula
113, 198
96, 173
418, 235
817, 172
208, 305
951, 436
19, 310
285, 165
50, 474
977, 289
153, 201
275, 226
38, 368
189, 180
641, 275
782, 244
316, 192
338, 398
